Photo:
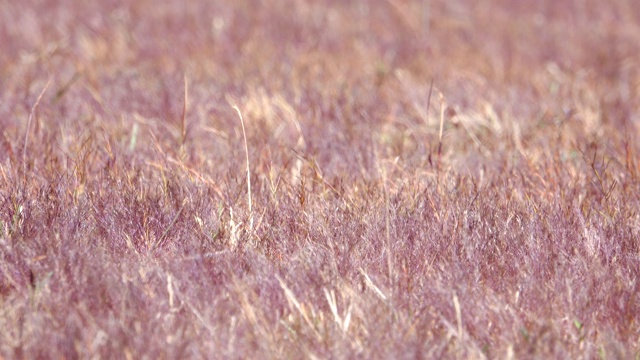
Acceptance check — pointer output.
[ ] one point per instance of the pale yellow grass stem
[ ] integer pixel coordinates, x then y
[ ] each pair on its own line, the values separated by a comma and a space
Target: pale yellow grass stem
246, 150
26, 134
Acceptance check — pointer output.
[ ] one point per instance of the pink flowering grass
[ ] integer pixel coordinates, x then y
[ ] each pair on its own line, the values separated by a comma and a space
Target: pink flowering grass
320, 179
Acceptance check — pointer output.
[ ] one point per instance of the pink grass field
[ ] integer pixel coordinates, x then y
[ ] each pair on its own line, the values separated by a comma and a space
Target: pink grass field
400, 179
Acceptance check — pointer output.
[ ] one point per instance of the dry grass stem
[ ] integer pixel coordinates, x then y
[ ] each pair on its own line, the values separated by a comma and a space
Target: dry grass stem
246, 151
183, 123
27, 130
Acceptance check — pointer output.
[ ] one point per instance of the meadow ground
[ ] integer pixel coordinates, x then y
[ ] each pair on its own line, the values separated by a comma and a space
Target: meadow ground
428, 179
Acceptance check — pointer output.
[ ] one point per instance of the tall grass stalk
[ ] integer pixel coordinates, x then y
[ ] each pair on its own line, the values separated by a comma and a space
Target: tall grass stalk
26, 133
183, 125
246, 151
